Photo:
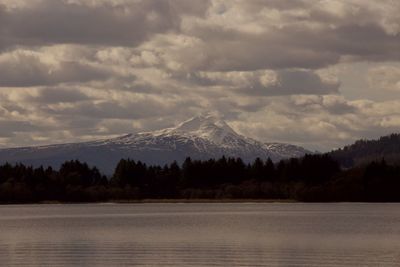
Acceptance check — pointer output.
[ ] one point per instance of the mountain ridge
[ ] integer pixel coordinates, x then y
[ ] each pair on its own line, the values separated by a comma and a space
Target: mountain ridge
201, 137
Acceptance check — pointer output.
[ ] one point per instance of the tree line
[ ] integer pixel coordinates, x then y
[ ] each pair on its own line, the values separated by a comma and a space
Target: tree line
310, 178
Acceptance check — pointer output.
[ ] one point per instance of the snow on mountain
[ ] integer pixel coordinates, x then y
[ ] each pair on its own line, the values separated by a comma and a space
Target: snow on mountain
201, 137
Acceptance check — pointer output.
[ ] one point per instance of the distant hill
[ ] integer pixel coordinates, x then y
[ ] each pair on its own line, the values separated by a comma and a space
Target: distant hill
365, 151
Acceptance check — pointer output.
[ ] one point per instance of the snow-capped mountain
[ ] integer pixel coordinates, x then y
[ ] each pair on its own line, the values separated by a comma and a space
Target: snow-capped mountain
201, 137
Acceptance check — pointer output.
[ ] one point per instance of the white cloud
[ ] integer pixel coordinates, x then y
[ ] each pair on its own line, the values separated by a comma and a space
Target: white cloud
385, 78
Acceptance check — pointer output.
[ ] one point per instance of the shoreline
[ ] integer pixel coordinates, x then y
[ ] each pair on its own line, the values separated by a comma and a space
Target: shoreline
189, 201
160, 201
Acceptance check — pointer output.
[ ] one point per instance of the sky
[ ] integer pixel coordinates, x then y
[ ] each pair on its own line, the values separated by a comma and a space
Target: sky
316, 73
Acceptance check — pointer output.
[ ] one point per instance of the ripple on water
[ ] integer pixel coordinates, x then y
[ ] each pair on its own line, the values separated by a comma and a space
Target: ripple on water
189, 254
201, 235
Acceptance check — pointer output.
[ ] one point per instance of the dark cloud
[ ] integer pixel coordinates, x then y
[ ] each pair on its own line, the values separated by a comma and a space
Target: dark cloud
368, 42
290, 82
333, 104
22, 70
8, 128
60, 95
281, 82
340, 107
253, 52
292, 46
255, 5
60, 22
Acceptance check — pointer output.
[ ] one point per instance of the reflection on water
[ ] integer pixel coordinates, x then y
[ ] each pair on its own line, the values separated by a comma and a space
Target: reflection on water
254, 234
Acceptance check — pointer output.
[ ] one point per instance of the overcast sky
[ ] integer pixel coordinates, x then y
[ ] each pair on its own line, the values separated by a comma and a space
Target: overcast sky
320, 74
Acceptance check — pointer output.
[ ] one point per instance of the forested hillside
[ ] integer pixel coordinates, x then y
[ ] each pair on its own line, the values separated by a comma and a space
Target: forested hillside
365, 151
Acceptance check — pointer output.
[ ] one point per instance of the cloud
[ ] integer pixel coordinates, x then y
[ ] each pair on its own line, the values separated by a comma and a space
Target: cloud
268, 82
59, 95
8, 128
21, 69
292, 46
290, 82
121, 23
333, 104
309, 34
314, 121
75, 70
385, 78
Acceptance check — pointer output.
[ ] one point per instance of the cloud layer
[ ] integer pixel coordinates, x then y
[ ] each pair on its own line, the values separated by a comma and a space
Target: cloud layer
74, 70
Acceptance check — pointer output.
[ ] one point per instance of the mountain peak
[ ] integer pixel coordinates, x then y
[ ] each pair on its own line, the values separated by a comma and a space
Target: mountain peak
206, 126
197, 122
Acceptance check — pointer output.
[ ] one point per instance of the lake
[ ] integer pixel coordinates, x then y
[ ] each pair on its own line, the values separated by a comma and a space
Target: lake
214, 234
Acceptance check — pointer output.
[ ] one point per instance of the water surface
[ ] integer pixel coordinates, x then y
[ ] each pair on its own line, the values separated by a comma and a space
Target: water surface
237, 234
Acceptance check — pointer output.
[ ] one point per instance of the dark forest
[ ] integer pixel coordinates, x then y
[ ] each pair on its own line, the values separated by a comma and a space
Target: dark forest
311, 178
